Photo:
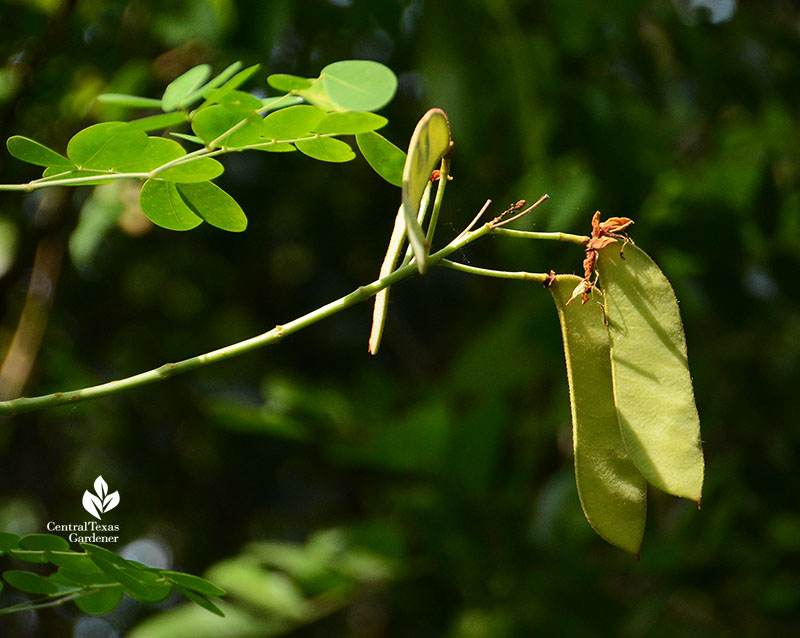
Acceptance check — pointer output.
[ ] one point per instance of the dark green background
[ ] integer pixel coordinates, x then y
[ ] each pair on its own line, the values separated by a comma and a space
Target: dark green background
450, 452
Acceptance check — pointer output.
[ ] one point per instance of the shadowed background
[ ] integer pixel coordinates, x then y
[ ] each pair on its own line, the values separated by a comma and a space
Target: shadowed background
429, 489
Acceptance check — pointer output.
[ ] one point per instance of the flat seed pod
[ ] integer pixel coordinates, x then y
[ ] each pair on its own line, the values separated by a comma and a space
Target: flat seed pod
612, 491
429, 142
652, 385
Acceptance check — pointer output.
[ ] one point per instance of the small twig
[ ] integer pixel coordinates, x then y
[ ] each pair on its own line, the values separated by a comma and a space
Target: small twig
476, 219
528, 234
519, 275
521, 213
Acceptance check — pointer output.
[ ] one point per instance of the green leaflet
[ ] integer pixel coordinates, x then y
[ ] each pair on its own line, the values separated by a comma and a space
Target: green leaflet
326, 149
613, 493
29, 582
359, 85
350, 123
286, 82
133, 101
292, 122
101, 601
106, 146
385, 158
209, 202
43, 542
212, 122
156, 122
652, 384
183, 86
164, 206
33, 152
158, 152
201, 169
195, 583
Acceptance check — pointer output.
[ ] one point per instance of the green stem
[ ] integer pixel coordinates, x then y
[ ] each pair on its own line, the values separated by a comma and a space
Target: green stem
498, 274
444, 175
28, 404
48, 601
527, 234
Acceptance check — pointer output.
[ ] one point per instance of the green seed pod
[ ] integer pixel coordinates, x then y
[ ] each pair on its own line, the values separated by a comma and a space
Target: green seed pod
612, 491
652, 385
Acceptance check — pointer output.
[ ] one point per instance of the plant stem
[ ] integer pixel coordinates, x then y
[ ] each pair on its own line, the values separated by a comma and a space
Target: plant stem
28, 404
444, 175
519, 275
527, 234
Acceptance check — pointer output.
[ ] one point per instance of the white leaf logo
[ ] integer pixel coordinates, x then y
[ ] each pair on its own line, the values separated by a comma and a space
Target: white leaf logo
101, 501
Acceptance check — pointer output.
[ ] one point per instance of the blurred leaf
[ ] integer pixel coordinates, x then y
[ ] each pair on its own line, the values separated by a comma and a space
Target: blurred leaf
106, 145
292, 122
29, 582
652, 384
359, 85
183, 86
213, 94
198, 599
43, 542
189, 621
212, 204
350, 123
195, 583
8, 541
32, 152
158, 122
326, 149
100, 602
285, 82
384, 157
133, 101
164, 206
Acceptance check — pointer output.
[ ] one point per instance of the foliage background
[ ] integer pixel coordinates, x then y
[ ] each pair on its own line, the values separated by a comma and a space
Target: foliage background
448, 454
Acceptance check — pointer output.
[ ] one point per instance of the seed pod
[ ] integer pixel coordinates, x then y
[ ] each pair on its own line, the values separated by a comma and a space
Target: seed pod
612, 491
652, 385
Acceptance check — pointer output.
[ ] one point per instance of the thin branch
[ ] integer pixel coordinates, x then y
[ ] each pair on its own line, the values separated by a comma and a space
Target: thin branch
527, 234
522, 213
476, 219
497, 274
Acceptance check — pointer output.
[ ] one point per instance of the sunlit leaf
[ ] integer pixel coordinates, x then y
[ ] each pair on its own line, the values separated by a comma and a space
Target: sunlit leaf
158, 122
239, 100
291, 123
359, 85
33, 152
652, 384
106, 145
326, 149
384, 157
613, 493
134, 101
350, 123
164, 206
213, 122
285, 82
229, 79
158, 152
29, 582
209, 202
182, 86
201, 169
101, 601
189, 138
